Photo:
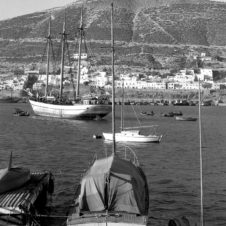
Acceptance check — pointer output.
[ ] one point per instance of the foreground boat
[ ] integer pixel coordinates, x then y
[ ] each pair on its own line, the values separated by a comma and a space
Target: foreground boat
23, 195
21, 206
80, 109
114, 189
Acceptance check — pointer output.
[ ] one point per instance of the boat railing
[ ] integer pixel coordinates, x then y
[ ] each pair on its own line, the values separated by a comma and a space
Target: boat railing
127, 153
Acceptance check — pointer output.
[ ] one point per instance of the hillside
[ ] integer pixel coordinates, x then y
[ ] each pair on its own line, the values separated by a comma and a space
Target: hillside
148, 33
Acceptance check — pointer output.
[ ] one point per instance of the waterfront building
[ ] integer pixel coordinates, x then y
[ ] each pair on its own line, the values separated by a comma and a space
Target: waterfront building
156, 85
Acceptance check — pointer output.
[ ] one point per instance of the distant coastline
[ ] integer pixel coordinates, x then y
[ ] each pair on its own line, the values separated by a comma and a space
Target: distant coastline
7, 96
143, 97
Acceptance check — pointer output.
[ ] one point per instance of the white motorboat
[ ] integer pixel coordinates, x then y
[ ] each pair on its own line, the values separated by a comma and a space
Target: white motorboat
133, 136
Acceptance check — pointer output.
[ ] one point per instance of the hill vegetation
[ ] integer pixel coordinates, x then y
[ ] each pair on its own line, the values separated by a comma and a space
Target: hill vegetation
159, 34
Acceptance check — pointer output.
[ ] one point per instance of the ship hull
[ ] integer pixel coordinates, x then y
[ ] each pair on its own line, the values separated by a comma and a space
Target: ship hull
76, 111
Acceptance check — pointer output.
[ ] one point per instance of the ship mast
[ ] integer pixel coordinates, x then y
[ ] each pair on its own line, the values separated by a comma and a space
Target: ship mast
81, 31
64, 36
48, 58
113, 80
200, 159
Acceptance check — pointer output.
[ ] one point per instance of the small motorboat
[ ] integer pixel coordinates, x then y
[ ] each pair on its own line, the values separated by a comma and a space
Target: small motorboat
147, 113
177, 113
19, 112
170, 114
183, 118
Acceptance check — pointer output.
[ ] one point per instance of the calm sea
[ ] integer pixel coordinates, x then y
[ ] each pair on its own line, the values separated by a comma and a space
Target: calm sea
172, 167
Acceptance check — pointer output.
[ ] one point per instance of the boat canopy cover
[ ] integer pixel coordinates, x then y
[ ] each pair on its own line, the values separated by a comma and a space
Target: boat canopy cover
115, 184
12, 178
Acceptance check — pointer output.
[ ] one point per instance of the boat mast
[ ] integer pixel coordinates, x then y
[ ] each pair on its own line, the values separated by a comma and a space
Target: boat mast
64, 35
81, 30
113, 80
200, 152
48, 58
122, 107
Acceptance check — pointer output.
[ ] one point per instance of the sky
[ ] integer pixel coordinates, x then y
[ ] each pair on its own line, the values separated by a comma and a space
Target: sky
13, 8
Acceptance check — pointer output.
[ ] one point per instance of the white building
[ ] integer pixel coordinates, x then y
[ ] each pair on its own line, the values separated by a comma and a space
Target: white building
156, 85
101, 80
185, 76
132, 84
183, 85
84, 76
84, 56
205, 74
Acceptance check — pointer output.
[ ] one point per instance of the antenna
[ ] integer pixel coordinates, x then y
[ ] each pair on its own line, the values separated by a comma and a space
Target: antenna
200, 152
113, 80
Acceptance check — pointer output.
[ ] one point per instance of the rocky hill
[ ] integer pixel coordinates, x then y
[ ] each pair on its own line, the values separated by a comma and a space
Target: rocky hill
150, 33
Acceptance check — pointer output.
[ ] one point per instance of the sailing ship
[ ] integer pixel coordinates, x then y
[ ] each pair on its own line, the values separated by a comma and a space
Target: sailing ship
77, 109
114, 189
132, 134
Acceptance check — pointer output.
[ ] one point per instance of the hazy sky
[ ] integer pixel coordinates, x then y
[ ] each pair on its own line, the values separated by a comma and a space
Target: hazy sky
13, 8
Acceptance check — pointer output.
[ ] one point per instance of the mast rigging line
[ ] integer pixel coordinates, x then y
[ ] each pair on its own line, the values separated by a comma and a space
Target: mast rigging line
52, 50
136, 115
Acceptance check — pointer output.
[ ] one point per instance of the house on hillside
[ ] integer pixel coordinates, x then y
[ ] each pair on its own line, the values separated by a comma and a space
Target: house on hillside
204, 74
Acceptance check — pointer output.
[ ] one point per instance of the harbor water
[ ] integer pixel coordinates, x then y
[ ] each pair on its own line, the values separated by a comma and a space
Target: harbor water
67, 148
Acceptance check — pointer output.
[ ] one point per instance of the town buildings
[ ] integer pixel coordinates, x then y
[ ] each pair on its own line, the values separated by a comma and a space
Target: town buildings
187, 79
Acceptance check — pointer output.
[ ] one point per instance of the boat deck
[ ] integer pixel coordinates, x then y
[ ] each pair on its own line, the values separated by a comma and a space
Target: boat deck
17, 205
